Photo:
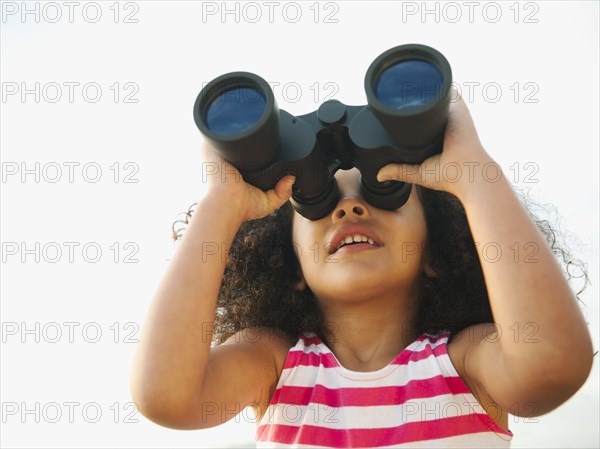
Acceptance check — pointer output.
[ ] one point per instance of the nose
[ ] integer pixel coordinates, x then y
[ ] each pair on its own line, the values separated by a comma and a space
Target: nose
348, 208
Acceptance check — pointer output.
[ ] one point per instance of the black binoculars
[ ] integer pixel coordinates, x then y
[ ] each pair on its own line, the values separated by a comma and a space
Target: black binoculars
404, 121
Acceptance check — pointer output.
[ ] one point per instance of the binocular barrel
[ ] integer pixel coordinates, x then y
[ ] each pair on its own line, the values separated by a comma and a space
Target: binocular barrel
407, 90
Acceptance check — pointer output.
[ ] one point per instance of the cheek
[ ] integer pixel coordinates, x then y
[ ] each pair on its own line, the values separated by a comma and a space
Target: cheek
418, 228
418, 237
420, 232
306, 246
295, 233
299, 238
409, 235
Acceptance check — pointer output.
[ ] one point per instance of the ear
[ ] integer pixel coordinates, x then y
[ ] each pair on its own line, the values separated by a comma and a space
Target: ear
429, 272
301, 284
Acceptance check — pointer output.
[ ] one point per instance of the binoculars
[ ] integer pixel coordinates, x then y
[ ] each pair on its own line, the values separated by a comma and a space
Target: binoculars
403, 121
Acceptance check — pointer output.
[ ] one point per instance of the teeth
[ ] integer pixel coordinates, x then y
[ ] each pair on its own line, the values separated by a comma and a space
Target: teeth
357, 239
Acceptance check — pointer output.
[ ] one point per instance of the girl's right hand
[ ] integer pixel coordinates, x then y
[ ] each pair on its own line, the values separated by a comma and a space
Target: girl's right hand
226, 184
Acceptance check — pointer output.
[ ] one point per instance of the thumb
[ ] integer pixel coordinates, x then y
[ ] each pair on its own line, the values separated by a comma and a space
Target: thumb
283, 189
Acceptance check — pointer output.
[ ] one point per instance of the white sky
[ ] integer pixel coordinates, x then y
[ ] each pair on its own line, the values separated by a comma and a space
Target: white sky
167, 56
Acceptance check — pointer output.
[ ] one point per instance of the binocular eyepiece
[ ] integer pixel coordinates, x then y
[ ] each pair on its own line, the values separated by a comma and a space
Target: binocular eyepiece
404, 121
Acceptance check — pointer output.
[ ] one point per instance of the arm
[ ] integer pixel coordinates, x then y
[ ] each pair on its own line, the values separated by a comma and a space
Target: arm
550, 367
178, 380
511, 370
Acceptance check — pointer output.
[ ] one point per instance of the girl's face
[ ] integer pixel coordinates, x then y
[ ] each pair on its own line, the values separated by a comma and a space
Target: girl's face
389, 266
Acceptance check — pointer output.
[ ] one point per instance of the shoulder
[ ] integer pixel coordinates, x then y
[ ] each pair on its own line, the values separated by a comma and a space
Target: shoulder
264, 348
267, 341
461, 341
463, 345
269, 346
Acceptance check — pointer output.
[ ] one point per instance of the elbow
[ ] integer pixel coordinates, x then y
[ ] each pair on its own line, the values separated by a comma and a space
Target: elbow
571, 371
162, 413
148, 402
582, 367
165, 410
544, 389
145, 403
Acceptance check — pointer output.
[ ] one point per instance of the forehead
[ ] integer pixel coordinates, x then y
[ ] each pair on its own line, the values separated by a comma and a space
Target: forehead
349, 184
348, 180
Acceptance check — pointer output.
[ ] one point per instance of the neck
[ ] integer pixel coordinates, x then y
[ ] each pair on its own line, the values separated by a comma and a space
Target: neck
367, 335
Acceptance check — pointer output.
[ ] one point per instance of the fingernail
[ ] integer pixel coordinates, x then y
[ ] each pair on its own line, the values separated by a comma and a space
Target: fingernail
382, 176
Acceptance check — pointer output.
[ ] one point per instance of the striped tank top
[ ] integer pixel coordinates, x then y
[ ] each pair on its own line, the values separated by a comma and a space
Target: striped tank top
418, 400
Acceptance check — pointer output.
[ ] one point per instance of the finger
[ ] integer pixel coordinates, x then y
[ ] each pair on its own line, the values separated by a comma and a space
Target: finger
281, 192
205, 151
210, 154
460, 123
400, 172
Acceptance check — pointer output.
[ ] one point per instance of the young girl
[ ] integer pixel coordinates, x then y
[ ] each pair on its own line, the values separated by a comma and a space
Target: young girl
420, 327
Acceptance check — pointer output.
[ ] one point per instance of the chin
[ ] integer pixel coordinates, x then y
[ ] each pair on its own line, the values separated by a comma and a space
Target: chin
350, 288
360, 283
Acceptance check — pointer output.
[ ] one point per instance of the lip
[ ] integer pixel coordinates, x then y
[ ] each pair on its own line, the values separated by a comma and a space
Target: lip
351, 230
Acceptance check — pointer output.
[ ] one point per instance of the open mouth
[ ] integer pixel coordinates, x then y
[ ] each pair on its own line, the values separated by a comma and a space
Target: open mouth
354, 243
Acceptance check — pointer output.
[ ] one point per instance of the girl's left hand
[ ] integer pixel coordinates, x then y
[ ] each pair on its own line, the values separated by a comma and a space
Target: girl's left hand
459, 165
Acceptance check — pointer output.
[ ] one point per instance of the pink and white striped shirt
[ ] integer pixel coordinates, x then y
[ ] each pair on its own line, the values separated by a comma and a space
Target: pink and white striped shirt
417, 400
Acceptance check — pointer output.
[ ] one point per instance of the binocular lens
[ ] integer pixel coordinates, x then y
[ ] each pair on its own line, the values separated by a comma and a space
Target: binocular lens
235, 110
403, 122
409, 84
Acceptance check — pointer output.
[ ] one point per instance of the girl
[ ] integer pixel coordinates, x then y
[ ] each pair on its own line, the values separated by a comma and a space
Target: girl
366, 328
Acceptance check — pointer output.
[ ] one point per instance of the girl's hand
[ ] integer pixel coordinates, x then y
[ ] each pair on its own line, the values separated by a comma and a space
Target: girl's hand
226, 183
462, 163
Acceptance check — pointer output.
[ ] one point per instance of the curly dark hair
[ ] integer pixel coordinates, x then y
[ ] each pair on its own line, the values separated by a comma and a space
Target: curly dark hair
262, 269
